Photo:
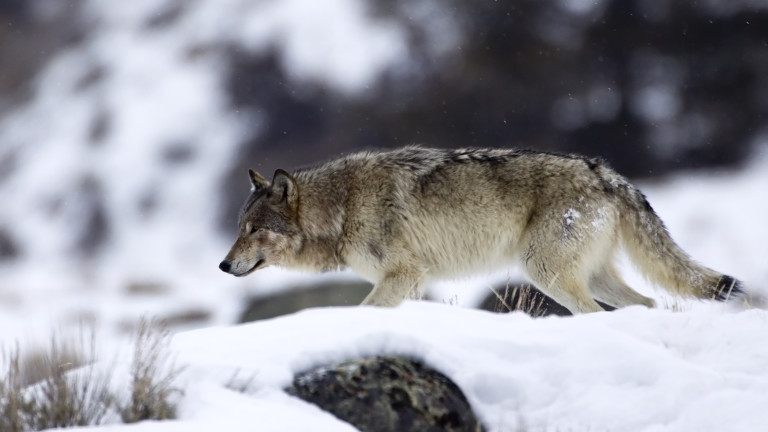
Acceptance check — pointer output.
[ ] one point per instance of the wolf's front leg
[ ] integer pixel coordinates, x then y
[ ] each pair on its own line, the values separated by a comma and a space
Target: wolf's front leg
395, 287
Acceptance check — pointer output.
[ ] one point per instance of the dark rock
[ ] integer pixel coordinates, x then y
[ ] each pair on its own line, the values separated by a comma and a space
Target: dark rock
334, 293
8, 247
147, 288
521, 297
194, 316
101, 125
8, 163
95, 221
93, 75
166, 17
526, 298
387, 393
178, 153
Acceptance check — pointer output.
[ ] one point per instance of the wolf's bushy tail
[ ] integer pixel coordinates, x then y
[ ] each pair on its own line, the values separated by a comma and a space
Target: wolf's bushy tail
659, 258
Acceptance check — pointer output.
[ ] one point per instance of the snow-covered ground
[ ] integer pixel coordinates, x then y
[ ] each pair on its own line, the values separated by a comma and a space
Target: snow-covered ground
631, 370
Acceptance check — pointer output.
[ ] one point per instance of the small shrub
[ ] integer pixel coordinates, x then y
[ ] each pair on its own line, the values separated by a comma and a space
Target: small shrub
14, 405
42, 390
152, 376
38, 391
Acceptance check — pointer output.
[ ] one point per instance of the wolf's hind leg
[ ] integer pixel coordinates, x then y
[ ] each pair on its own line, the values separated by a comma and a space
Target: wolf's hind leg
607, 286
394, 287
562, 284
573, 294
553, 258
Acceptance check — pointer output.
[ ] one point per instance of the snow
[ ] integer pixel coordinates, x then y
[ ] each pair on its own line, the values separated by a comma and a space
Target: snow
570, 216
153, 97
630, 370
656, 103
599, 222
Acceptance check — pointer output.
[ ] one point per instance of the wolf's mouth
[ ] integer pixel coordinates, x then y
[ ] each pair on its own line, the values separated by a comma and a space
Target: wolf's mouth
255, 267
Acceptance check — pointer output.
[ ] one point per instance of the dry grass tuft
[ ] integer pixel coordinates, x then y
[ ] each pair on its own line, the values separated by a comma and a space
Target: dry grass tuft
242, 384
523, 298
59, 387
152, 376
675, 305
38, 391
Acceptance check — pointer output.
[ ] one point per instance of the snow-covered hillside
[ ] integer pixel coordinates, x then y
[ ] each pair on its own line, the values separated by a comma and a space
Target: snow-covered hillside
631, 370
111, 173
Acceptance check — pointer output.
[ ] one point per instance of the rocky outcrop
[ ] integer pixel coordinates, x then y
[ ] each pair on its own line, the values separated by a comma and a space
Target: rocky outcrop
521, 297
296, 298
526, 298
387, 393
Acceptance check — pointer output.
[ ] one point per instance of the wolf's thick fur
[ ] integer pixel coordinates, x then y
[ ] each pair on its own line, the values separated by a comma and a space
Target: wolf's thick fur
406, 217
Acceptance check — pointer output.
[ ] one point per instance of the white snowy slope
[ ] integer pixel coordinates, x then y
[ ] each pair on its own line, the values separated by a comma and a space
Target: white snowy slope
635, 369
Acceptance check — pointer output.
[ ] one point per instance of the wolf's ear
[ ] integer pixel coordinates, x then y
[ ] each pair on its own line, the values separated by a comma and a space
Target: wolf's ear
284, 188
257, 182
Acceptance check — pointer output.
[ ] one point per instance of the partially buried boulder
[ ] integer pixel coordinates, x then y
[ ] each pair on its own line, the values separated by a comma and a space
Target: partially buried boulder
293, 299
526, 298
387, 393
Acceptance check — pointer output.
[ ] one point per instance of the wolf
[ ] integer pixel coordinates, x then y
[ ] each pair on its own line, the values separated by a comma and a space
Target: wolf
405, 217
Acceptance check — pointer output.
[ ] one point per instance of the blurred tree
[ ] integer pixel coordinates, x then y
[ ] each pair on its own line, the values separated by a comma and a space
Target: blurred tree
650, 86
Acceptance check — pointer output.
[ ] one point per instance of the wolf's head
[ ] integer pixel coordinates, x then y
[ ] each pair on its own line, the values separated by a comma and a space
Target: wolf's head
268, 228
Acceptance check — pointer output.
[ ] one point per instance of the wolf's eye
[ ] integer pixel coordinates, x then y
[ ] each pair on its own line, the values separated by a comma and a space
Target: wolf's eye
254, 229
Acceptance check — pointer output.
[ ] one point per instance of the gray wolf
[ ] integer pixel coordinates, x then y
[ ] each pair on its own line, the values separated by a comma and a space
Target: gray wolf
406, 217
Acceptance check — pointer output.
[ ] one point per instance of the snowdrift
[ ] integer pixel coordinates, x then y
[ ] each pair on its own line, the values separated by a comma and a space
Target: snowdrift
631, 370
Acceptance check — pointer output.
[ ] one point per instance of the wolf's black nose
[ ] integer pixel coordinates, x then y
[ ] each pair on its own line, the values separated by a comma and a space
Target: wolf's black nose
225, 266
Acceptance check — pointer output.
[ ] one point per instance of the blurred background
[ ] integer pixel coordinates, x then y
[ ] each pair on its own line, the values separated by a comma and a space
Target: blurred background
126, 129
